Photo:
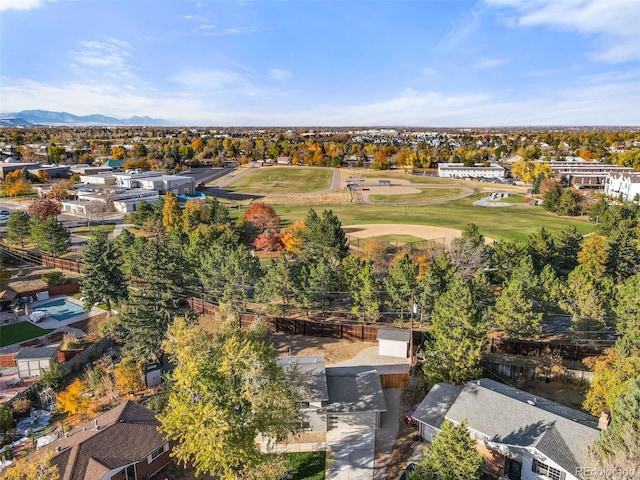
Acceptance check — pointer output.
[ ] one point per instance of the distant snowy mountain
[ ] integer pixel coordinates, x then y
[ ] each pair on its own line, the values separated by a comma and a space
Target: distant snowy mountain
44, 117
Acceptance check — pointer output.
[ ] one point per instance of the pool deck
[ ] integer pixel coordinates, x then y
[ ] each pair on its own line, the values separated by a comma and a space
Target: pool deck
8, 318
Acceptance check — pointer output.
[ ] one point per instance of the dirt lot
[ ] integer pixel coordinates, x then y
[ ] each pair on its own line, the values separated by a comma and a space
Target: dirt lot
26, 278
420, 231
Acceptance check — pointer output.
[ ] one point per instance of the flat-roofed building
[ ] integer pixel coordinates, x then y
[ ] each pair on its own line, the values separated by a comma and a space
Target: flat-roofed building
459, 170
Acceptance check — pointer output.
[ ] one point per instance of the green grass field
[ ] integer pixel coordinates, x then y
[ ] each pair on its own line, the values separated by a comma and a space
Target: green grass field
88, 231
282, 180
513, 199
19, 332
513, 223
426, 195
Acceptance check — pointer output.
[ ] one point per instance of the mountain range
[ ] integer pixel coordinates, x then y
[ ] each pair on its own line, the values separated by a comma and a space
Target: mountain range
44, 117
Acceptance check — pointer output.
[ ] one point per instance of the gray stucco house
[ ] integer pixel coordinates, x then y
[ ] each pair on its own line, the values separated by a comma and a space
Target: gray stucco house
526, 437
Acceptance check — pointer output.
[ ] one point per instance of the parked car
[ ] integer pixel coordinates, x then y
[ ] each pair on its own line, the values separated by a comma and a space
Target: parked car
408, 415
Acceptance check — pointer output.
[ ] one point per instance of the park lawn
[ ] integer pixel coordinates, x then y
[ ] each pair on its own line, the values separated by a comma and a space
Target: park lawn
513, 223
513, 199
19, 332
282, 180
391, 174
306, 465
425, 195
86, 231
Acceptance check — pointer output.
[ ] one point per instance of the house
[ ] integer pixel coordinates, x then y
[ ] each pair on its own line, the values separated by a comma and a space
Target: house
337, 397
32, 360
393, 342
121, 444
523, 436
626, 185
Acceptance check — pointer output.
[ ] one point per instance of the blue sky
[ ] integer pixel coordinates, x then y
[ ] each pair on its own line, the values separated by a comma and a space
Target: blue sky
331, 63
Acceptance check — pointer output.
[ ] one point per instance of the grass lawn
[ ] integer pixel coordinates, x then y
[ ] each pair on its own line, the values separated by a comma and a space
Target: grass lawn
282, 180
513, 199
19, 332
426, 194
513, 223
108, 228
306, 465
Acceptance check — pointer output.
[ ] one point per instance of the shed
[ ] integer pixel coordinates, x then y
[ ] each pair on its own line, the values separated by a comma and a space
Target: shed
32, 360
393, 342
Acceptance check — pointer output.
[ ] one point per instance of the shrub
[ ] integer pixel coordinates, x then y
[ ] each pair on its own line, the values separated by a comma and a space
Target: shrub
53, 279
21, 407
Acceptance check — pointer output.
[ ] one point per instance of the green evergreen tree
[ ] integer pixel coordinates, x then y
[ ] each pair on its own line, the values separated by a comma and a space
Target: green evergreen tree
588, 299
567, 243
278, 283
459, 334
323, 238
569, 203
51, 236
434, 283
623, 254
627, 308
103, 280
504, 258
598, 209
401, 284
551, 199
451, 456
157, 297
366, 293
541, 248
18, 227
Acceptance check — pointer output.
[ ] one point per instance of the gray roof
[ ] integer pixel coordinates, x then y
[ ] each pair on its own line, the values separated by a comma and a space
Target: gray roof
313, 370
396, 334
36, 352
436, 404
512, 417
354, 389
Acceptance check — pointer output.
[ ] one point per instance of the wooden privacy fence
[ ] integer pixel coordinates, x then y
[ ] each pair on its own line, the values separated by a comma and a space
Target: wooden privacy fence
303, 326
65, 265
394, 380
514, 370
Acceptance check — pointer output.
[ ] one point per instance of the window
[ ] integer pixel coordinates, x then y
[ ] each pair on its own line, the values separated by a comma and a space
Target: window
544, 469
159, 451
130, 472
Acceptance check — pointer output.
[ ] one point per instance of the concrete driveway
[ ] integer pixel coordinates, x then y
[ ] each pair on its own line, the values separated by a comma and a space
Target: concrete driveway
350, 454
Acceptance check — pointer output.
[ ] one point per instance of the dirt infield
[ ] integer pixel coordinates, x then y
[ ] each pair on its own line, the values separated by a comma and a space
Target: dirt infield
420, 231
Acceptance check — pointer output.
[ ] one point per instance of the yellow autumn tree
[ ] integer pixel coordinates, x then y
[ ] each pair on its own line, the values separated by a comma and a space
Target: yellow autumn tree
128, 376
171, 212
73, 399
34, 467
292, 237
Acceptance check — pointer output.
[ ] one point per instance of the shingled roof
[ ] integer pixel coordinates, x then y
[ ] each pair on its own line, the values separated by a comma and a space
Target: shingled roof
508, 416
124, 435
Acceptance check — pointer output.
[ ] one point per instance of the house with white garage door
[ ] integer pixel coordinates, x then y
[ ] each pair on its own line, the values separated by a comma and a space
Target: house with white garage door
336, 397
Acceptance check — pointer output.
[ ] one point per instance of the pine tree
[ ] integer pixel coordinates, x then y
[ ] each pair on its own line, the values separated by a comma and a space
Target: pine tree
52, 237
18, 228
451, 456
103, 279
459, 333
567, 243
156, 299
541, 247
623, 254
366, 293
323, 238
627, 307
401, 284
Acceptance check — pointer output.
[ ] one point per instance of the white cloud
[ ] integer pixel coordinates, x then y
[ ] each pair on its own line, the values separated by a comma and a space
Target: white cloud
21, 4
278, 75
615, 21
109, 54
458, 32
488, 63
610, 99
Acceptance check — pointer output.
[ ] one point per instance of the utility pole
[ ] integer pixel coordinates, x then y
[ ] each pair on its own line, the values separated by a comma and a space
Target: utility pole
413, 308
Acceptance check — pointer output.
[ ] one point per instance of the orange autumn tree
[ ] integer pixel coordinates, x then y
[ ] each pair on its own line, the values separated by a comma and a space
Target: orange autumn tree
292, 237
261, 216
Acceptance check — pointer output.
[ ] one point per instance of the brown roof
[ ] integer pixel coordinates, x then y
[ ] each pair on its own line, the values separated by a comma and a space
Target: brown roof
125, 434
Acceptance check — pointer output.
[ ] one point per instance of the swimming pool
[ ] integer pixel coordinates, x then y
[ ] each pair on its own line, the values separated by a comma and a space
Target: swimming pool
60, 309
